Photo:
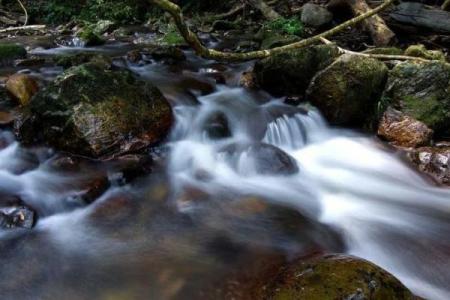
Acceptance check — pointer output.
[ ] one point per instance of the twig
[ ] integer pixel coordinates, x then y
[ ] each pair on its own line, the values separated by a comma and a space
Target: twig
377, 56
192, 39
25, 11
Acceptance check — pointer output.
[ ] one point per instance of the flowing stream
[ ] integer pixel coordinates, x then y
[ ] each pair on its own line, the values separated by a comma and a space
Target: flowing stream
195, 219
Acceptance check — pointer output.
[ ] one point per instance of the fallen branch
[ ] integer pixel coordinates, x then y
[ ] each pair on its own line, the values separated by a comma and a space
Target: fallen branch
446, 5
376, 56
379, 31
265, 9
28, 27
193, 41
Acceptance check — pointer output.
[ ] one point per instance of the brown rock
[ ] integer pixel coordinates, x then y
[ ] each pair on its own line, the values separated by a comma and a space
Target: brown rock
403, 130
23, 87
248, 80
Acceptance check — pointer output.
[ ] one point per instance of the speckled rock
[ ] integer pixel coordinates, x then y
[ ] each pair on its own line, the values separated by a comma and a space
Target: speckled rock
403, 130
434, 161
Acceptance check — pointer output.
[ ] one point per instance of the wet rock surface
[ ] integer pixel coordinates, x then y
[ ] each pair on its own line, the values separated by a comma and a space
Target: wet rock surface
347, 91
291, 72
23, 87
434, 161
402, 130
420, 89
16, 217
336, 277
97, 113
260, 158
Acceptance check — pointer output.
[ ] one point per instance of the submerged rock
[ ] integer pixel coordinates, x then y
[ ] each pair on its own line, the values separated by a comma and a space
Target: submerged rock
348, 90
421, 90
291, 72
97, 113
336, 277
23, 87
260, 158
315, 15
402, 130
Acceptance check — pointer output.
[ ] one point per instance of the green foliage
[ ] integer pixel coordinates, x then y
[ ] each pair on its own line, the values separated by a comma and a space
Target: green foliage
171, 36
119, 11
291, 26
55, 11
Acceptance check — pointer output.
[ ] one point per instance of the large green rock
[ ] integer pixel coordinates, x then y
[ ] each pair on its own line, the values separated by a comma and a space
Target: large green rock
290, 72
10, 51
422, 90
347, 92
336, 277
97, 113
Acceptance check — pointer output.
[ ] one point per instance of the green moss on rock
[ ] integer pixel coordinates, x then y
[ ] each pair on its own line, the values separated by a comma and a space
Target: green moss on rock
347, 92
290, 72
71, 60
336, 277
385, 51
90, 38
10, 51
422, 90
421, 51
97, 113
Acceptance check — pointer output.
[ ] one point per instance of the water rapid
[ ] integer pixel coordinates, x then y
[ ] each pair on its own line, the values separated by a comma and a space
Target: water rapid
192, 221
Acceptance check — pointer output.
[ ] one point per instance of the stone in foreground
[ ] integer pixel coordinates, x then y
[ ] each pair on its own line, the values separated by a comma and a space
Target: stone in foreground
336, 277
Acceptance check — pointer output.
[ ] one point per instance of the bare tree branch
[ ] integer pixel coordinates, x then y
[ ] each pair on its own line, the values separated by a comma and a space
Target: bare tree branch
25, 11
192, 39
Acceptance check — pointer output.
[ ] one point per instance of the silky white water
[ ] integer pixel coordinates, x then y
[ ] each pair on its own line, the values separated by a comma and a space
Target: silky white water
386, 212
355, 194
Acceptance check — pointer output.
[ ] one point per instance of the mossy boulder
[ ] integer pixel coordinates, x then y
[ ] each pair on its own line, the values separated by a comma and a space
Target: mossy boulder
336, 277
290, 72
422, 90
97, 113
10, 51
89, 38
347, 92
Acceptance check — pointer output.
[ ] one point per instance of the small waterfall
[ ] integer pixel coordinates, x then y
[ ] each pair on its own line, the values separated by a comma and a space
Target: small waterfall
293, 132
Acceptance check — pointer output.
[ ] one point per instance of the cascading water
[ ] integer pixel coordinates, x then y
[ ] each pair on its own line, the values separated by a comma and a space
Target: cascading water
386, 212
171, 234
